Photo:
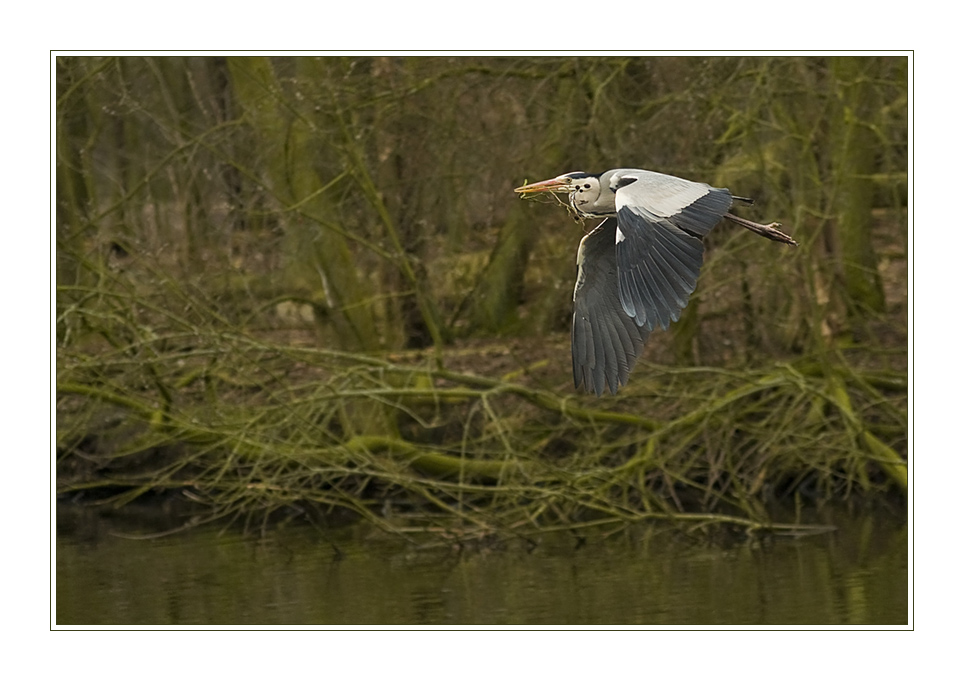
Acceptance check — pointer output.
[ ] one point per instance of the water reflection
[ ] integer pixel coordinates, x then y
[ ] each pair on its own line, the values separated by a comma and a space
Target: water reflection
857, 575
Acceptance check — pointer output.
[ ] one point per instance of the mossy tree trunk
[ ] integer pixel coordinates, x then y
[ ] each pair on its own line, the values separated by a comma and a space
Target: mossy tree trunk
74, 197
495, 302
316, 240
854, 162
496, 298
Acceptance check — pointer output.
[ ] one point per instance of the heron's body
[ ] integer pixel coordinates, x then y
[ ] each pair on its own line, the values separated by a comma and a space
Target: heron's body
637, 269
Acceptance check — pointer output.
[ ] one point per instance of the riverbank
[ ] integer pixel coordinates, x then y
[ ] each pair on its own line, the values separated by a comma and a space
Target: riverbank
255, 432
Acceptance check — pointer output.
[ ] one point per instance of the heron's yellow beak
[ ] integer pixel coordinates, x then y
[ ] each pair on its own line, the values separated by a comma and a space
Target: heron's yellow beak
556, 184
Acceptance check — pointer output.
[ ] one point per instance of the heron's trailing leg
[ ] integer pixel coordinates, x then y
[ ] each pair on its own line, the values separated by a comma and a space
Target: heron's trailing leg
769, 231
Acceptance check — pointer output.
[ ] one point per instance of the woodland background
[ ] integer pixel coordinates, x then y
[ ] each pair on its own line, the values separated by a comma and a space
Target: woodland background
303, 288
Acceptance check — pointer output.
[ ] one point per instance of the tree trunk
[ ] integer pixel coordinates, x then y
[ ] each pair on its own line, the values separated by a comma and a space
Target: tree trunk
854, 162
315, 242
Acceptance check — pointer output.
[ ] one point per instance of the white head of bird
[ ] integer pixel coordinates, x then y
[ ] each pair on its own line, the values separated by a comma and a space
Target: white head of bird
587, 196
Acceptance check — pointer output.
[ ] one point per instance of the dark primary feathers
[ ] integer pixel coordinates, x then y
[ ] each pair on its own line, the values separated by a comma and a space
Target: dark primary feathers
605, 341
660, 256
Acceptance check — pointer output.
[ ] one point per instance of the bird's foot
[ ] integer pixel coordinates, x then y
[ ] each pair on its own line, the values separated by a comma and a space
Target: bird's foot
769, 231
772, 231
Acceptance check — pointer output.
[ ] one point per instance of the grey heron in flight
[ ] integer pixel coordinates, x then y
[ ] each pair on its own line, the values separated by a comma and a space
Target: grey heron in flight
637, 269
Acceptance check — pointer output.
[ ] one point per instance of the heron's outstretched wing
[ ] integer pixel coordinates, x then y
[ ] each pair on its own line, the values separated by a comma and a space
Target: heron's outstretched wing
694, 207
605, 341
659, 250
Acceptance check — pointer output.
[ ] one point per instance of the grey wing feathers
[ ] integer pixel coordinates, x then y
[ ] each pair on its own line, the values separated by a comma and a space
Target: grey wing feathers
662, 221
605, 342
702, 215
658, 268
694, 207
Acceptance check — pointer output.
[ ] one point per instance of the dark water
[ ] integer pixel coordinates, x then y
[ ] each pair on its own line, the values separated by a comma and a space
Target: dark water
855, 576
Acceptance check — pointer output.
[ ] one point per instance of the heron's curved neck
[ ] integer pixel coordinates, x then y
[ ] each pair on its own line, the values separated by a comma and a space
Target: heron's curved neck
583, 213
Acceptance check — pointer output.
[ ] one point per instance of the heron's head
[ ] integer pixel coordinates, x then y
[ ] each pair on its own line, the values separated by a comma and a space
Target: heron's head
583, 190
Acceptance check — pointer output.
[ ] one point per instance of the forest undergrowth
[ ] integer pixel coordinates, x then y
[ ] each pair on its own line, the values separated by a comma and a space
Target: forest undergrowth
301, 288
254, 430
